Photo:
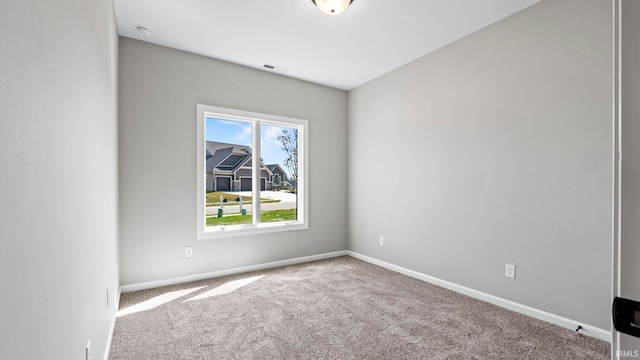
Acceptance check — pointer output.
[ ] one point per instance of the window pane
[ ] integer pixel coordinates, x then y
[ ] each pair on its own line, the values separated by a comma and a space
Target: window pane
279, 173
228, 163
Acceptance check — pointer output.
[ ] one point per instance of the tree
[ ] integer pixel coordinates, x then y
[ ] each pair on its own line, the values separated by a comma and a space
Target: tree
290, 146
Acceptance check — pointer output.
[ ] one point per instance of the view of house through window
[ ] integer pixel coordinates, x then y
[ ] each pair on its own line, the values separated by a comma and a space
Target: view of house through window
233, 189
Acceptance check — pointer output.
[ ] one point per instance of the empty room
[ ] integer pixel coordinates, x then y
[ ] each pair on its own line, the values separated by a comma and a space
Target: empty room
319, 179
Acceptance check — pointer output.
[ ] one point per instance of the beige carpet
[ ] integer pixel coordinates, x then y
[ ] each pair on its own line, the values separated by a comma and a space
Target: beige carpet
340, 308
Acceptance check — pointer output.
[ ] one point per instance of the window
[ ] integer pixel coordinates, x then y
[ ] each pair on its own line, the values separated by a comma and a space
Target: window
251, 173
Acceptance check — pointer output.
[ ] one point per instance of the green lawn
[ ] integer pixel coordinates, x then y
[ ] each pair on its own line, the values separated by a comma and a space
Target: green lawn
265, 216
213, 199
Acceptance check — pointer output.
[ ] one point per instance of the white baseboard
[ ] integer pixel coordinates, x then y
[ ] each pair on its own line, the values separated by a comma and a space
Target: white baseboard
219, 273
107, 350
589, 330
116, 305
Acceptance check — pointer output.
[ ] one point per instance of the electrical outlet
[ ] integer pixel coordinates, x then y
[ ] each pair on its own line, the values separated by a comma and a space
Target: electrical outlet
188, 251
381, 240
87, 351
510, 271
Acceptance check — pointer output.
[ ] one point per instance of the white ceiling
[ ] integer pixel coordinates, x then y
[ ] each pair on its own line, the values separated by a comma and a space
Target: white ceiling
371, 38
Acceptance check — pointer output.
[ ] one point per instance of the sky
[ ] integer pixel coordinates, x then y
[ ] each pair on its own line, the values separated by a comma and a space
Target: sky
236, 132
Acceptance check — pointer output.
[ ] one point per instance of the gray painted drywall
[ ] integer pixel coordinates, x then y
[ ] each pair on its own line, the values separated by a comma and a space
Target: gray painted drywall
159, 90
58, 184
630, 165
501, 147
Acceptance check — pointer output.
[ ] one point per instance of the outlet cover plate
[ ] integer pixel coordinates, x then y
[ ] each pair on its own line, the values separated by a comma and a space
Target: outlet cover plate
510, 271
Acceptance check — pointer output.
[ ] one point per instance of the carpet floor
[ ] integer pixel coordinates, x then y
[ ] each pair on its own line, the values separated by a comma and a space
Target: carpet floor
340, 308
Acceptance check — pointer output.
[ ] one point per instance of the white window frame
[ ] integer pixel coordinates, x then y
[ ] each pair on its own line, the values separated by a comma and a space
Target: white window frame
256, 119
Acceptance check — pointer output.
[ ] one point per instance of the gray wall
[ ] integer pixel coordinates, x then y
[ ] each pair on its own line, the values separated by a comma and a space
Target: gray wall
506, 136
630, 180
58, 183
160, 88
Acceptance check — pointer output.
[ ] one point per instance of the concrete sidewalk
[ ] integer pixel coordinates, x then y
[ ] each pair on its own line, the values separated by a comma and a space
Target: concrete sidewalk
287, 201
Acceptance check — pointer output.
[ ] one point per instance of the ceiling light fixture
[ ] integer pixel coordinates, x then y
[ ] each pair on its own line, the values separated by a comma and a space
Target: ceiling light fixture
332, 7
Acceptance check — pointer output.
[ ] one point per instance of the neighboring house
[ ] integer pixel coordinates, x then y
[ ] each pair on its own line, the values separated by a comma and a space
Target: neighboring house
290, 184
278, 177
228, 168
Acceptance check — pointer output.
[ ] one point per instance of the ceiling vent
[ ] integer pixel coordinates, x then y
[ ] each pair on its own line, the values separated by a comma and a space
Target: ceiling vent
274, 68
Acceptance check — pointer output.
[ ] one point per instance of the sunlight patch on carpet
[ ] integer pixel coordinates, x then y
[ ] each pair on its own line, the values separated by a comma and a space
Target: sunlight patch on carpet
226, 288
157, 301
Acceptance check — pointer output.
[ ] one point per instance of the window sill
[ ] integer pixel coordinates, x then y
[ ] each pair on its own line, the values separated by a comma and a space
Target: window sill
245, 230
